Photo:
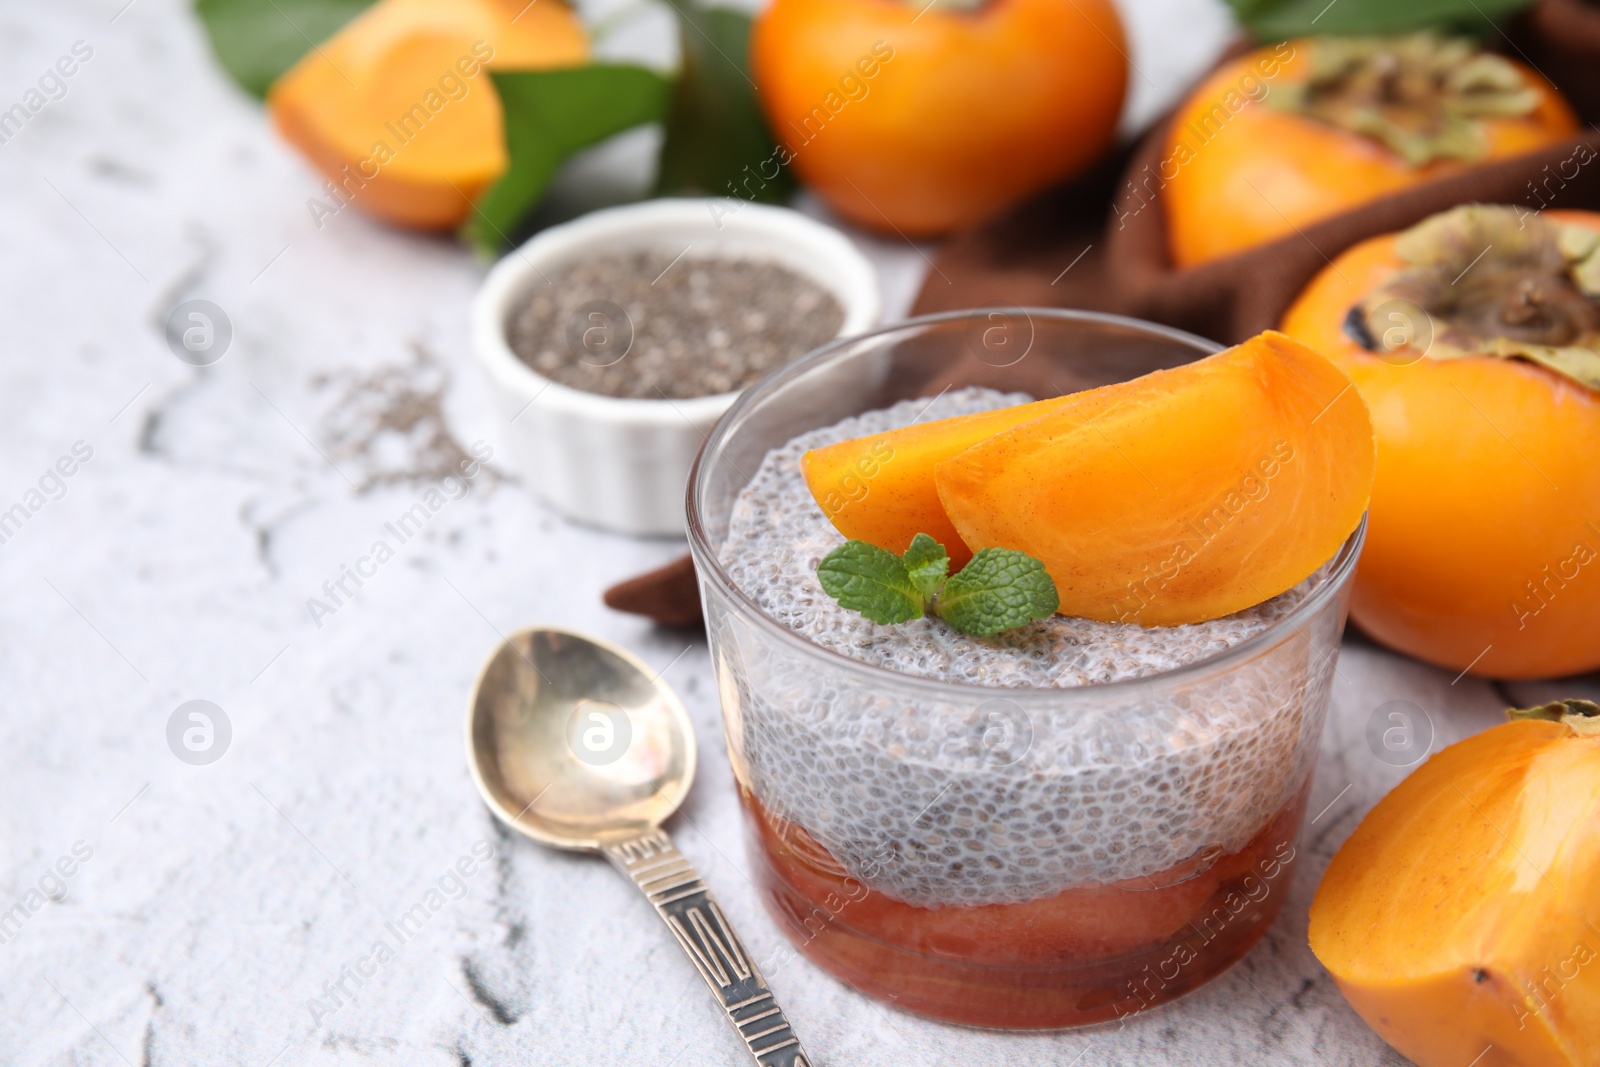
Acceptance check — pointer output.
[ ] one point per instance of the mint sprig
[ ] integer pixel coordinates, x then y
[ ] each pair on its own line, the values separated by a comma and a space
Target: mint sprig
998, 589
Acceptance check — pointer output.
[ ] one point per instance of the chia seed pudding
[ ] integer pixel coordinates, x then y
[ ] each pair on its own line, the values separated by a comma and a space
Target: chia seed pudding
654, 324
996, 793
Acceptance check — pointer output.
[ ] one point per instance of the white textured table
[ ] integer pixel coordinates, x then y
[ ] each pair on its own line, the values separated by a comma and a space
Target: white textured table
220, 906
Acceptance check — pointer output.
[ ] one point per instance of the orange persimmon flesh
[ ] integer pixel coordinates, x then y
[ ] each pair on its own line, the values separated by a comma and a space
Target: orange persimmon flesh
1462, 918
1193, 493
880, 488
1181, 496
396, 109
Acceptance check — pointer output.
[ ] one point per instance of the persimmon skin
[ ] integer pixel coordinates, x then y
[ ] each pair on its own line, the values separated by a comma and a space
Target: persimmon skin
1460, 915
1188, 495
353, 90
1262, 173
964, 113
1486, 477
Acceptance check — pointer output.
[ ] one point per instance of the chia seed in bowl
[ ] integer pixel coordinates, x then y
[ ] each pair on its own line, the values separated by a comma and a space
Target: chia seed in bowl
652, 323
618, 459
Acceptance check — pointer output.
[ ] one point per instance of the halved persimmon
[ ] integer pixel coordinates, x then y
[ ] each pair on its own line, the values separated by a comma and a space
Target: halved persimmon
397, 111
1299, 131
1184, 495
1462, 918
1483, 547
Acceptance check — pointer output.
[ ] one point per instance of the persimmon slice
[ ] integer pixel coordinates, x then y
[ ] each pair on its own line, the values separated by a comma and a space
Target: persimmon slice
880, 489
1462, 915
397, 110
1184, 495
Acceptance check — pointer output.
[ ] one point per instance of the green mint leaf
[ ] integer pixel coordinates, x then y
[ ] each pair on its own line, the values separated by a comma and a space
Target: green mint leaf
999, 589
872, 581
717, 142
927, 564
549, 115
1272, 20
257, 40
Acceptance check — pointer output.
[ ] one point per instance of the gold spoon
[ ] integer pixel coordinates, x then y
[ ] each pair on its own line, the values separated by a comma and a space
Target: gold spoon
576, 743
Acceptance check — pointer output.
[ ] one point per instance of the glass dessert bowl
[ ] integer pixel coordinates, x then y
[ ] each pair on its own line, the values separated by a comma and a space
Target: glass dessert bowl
1065, 824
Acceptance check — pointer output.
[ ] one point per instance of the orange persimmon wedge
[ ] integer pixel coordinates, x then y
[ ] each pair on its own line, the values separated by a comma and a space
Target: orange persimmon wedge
397, 110
1184, 495
1462, 918
880, 488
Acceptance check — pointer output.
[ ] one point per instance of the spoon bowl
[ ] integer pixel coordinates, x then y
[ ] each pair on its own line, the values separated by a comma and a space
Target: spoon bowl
575, 741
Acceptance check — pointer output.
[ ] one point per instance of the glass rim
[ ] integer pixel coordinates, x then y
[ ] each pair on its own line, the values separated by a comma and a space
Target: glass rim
710, 569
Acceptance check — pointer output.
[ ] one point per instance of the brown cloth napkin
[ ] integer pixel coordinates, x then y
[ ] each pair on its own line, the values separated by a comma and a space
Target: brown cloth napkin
669, 596
1097, 243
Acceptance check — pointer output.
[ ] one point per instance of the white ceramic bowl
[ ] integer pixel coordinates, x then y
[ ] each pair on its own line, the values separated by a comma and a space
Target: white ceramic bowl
623, 464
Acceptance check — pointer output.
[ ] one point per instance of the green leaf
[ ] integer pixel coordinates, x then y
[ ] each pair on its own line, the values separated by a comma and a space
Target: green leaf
1271, 20
870, 580
927, 564
257, 40
549, 115
717, 141
1000, 588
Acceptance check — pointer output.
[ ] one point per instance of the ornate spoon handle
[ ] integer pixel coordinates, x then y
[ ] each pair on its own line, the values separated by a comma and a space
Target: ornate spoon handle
684, 903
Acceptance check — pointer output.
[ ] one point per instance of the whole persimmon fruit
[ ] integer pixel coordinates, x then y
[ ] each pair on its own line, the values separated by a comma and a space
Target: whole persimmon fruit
1475, 339
1460, 919
920, 117
1300, 131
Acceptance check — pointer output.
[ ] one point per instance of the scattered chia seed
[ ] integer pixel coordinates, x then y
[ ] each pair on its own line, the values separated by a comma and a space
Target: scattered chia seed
647, 325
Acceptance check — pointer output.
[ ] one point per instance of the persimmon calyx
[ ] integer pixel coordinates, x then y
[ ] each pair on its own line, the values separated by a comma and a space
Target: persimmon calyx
1485, 280
1580, 716
1420, 95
